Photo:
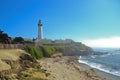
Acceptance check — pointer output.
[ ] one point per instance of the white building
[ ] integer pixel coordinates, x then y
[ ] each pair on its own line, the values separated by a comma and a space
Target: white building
39, 30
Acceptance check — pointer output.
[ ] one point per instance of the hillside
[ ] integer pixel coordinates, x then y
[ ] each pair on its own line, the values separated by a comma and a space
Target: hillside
71, 49
65, 49
16, 64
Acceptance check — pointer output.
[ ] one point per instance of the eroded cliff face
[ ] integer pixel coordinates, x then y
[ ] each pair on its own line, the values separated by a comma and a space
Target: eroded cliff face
13, 62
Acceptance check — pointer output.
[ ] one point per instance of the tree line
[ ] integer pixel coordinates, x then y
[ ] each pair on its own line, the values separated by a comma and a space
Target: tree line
6, 39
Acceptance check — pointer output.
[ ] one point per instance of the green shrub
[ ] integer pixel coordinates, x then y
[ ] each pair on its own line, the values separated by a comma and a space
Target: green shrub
45, 51
60, 48
38, 52
34, 51
48, 51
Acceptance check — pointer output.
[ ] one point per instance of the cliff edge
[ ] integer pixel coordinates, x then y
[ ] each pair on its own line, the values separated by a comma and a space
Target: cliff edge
16, 64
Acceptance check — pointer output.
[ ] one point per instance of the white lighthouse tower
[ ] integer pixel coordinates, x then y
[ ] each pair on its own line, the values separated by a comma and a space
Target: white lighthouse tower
39, 30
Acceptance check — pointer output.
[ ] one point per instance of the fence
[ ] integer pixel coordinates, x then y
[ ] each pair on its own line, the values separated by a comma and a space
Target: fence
21, 46
11, 46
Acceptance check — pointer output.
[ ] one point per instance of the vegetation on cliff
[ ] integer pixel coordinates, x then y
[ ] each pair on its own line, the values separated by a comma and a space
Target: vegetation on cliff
75, 48
38, 53
65, 49
34, 51
48, 51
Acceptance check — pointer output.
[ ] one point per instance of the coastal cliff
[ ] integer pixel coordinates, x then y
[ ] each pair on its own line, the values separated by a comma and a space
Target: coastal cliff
15, 62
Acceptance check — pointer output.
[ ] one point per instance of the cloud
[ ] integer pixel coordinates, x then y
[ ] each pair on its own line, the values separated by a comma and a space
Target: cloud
113, 42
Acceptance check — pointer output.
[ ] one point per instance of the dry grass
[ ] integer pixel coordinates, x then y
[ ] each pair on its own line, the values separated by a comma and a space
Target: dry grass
34, 73
4, 66
10, 54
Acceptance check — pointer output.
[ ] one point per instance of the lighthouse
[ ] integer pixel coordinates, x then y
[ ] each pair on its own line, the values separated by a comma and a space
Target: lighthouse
39, 30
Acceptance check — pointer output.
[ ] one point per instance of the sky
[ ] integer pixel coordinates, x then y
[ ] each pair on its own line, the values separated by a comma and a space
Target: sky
86, 21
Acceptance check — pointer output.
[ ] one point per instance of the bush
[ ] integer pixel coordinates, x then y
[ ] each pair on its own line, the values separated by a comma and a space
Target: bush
45, 51
34, 51
60, 48
48, 51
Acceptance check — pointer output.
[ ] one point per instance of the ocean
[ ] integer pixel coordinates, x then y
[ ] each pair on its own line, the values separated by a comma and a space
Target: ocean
109, 63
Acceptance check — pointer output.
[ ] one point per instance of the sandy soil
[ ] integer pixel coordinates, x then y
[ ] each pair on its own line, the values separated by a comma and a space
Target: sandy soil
65, 68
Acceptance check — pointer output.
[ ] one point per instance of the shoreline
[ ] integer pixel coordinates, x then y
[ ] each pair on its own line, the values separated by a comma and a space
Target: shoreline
108, 76
103, 74
67, 68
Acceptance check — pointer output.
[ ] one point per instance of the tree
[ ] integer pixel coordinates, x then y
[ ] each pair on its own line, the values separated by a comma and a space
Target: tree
18, 40
4, 38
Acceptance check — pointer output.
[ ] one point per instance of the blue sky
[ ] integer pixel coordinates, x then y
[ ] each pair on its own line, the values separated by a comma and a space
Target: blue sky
76, 19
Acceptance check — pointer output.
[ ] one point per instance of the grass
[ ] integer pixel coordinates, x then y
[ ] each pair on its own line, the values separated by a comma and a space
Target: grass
34, 74
10, 55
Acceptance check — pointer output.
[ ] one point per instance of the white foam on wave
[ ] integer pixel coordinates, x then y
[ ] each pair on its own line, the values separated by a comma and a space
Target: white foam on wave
105, 55
99, 67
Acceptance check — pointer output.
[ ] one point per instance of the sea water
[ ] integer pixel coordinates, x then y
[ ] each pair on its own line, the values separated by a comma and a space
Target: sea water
109, 63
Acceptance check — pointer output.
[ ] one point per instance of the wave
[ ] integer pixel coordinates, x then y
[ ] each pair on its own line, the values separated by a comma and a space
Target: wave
100, 67
105, 55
